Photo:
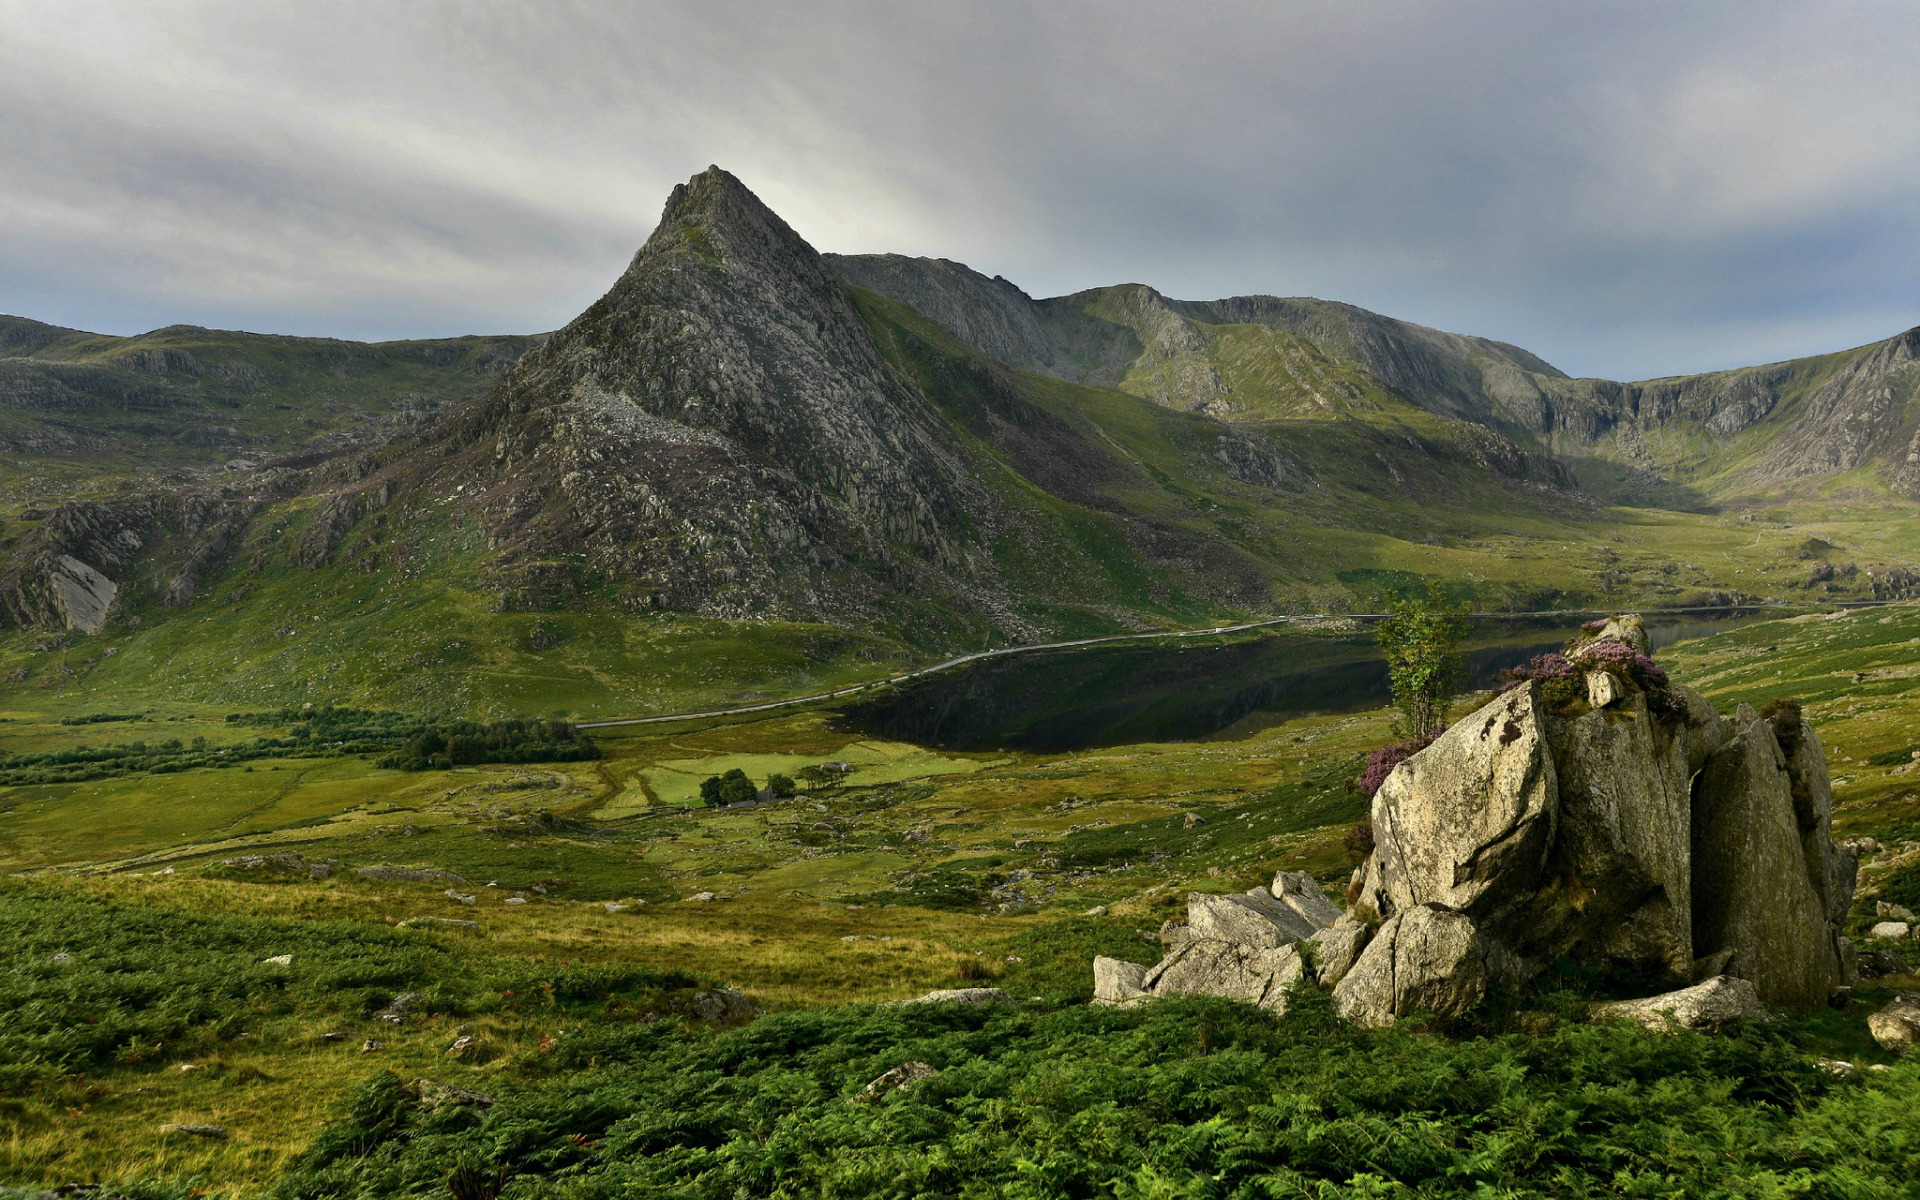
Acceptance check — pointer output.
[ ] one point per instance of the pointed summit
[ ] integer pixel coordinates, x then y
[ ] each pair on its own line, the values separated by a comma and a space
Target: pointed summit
720, 431
716, 221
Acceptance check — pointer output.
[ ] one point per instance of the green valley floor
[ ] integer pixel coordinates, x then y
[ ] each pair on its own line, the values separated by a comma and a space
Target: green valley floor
580, 910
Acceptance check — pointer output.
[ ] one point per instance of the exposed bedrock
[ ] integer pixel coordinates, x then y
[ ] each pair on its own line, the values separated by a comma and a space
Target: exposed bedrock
1595, 814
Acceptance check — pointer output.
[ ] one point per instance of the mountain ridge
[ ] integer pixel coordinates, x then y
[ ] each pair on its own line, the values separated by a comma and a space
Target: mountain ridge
1862, 412
743, 432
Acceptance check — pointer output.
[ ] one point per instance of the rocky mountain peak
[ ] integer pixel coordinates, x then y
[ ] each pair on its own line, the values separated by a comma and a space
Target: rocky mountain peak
720, 430
716, 221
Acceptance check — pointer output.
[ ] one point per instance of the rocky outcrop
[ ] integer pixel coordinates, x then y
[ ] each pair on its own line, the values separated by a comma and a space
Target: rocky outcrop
1755, 892
1706, 1006
1617, 820
82, 594
1593, 812
1425, 959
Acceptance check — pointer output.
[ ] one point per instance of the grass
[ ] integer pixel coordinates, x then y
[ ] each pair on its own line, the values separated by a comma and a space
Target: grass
677, 781
831, 903
1186, 1098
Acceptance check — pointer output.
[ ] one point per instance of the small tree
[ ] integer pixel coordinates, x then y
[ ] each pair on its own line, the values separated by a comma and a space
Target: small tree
780, 787
718, 791
1422, 639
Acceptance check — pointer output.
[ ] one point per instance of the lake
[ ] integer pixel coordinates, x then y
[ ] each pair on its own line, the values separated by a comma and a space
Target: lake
1057, 700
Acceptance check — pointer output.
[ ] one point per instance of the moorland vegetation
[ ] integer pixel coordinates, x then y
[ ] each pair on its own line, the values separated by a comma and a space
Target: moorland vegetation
601, 1076
318, 887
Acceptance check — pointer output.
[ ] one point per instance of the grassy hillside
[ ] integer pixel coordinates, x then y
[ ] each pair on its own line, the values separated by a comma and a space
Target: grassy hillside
76, 404
937, 869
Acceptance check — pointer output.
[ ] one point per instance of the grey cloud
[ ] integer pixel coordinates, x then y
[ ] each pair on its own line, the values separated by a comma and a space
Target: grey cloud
1628, 189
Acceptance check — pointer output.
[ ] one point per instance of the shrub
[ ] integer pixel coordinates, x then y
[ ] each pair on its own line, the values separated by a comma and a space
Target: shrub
718, 791
1381, 762
1783, 713
1183, 1097
1421, 639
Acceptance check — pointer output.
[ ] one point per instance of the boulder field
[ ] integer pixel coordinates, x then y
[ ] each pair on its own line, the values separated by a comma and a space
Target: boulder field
1592, 813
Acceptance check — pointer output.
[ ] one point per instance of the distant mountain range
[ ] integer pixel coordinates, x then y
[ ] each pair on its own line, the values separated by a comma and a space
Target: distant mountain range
743, 428
1261, 358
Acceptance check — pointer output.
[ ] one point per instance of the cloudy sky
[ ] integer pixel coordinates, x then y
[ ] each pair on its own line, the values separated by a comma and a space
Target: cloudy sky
1628, 189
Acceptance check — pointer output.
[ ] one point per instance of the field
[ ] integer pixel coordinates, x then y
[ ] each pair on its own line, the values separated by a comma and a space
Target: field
930, 869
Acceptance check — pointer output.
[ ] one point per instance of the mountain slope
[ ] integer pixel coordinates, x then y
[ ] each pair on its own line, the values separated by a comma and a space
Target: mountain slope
186, 397
736, 433
1250, 358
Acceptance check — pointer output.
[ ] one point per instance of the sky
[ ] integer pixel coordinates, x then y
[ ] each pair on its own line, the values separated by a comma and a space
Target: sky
1626, 189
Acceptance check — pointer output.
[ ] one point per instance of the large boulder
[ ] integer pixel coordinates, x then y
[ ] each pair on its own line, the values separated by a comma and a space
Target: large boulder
1705, 1006
1625, 894
1833, 870
1425, 959
1897, 1026
1467, 822
1258, 975
1254, 918
1116, 981
1752, 893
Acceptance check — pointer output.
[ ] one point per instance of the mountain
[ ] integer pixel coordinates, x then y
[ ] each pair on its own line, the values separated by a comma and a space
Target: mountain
185, 397
734, 432
1726, 434
821, 461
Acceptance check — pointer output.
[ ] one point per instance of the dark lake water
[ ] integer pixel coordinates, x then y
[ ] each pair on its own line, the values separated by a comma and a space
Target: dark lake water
1058, 700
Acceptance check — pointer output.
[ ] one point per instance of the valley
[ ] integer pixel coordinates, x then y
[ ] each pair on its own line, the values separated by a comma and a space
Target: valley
358, 654
928, 869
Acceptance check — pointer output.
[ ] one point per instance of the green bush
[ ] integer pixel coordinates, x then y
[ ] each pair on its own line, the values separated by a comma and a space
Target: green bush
408, 743
87, 983
1182, 1098
718, 791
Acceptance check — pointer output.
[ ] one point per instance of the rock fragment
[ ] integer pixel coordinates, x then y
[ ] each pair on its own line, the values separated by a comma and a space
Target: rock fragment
1253, 919
196, 1129
984, 995
388, 873
724, 1007
1897, 1026
395, 1013
1705, 1006
903, 1078
1258, 975
435, 1095
1116, 981
1336, 948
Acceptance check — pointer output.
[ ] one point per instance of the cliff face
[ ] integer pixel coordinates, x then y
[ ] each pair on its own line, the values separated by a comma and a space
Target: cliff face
719, 433
1251, 358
